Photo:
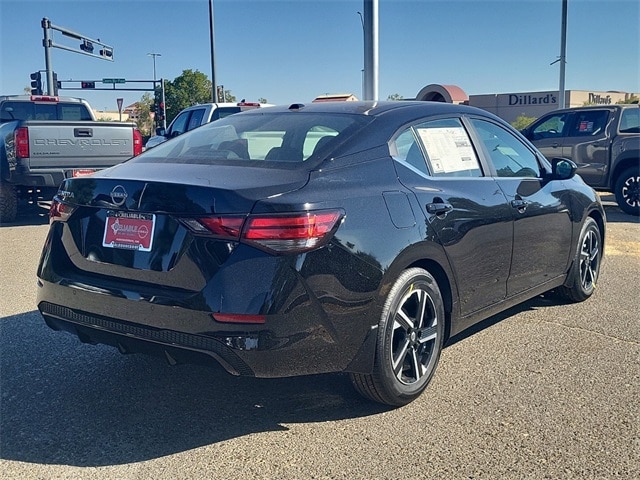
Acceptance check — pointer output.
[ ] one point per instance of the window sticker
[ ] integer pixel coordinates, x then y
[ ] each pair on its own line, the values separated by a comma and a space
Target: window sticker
585, 127
449, 149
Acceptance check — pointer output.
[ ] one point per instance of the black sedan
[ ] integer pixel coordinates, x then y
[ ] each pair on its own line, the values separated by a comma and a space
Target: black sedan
330, 237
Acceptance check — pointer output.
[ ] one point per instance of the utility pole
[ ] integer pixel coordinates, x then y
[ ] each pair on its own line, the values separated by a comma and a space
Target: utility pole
371, 68
154, 55
563, 55
213, 61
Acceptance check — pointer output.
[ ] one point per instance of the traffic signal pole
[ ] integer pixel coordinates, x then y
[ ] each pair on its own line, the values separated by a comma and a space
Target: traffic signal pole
46, 43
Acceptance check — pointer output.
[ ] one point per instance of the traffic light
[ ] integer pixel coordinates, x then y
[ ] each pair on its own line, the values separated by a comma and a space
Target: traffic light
86, 46
88, 84
160, 112
56, 84
36, 83
106, 52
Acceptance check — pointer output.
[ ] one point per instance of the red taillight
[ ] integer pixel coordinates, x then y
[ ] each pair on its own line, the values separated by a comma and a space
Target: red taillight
59, 211
21, 137
221, 226
137, 142
277, 234
291, 233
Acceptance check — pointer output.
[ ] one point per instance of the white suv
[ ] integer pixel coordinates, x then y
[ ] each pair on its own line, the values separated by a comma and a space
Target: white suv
197, 115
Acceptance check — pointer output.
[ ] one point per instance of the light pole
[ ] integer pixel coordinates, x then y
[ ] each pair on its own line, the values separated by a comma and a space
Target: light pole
154, 55
155, 86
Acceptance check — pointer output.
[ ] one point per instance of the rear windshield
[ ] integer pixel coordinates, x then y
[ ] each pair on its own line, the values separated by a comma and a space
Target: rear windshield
291, 137
16, 110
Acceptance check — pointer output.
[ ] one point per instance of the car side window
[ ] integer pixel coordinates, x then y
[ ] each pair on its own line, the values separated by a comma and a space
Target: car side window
407, 150
448, 148
553, 127
589, 123
179, 125
509, 156
196, 118
630, 121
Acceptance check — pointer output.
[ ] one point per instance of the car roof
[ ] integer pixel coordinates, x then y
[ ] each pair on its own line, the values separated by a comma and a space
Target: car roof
371, 108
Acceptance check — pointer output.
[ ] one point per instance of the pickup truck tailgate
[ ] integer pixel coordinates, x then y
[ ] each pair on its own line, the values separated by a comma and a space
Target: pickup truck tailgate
71, 144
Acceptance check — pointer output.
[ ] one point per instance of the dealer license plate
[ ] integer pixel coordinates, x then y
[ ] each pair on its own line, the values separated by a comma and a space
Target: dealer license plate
129, 231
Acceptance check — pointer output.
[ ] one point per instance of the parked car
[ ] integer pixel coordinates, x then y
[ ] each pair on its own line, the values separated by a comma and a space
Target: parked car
45, 139
329, 237
197, 115
603, 140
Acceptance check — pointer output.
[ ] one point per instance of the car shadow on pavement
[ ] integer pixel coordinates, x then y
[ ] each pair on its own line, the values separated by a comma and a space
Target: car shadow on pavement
66, 403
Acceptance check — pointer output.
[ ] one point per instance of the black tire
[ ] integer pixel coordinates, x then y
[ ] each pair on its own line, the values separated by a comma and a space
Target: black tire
8, 202
410, 338
585, 268
627, 191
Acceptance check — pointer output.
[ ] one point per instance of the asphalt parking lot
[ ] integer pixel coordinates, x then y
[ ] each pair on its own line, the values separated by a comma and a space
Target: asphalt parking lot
544, 390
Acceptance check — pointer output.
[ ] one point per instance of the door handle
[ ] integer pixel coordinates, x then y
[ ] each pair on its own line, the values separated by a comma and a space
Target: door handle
519, 204
439, 208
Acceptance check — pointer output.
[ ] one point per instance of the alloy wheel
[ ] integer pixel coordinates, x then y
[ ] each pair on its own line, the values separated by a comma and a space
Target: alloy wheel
414, 336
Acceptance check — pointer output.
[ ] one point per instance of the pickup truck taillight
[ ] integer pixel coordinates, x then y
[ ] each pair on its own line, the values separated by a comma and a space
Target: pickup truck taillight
137, 142
21, 138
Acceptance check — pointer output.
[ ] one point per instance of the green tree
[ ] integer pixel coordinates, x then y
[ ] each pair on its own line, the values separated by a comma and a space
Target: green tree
262, 100
631, 100
190, 88
143, 109
395, 97
522, 121
229, 97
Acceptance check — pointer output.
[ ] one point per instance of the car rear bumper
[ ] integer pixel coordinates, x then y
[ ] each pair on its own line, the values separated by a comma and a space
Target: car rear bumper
301, 341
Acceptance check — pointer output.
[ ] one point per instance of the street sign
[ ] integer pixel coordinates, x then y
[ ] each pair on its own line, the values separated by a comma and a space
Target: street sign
119, 101
114, 80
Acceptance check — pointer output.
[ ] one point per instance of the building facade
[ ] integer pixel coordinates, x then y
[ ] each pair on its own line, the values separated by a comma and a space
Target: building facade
510, 106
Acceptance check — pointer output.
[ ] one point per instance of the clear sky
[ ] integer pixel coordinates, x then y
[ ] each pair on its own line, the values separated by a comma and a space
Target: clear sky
292, 51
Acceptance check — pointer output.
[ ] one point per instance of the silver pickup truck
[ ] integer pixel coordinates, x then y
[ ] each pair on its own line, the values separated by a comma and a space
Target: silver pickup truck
45, 139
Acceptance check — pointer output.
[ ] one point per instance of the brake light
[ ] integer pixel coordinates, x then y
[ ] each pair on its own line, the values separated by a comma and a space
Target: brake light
224, 227
21, 138
59, 211
44, 98
276, 234
291, 233
248, 104
137, 142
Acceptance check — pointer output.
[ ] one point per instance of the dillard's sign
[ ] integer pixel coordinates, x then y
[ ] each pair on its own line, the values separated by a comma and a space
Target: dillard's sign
595, 99
550, 99
520, 99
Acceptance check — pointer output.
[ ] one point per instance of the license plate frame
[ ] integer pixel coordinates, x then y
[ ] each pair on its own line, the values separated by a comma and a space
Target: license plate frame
129, 231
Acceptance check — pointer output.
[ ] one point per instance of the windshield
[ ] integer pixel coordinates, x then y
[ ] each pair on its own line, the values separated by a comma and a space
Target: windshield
292, 137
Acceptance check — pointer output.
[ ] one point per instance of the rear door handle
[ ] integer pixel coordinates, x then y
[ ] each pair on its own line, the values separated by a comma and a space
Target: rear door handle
439, 208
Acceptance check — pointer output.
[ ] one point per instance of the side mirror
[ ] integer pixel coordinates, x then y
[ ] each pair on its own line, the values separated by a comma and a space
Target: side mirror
160, 132
563, 168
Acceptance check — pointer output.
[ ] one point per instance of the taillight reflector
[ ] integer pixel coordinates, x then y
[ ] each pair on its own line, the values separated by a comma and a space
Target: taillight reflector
238, 318
21, 137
